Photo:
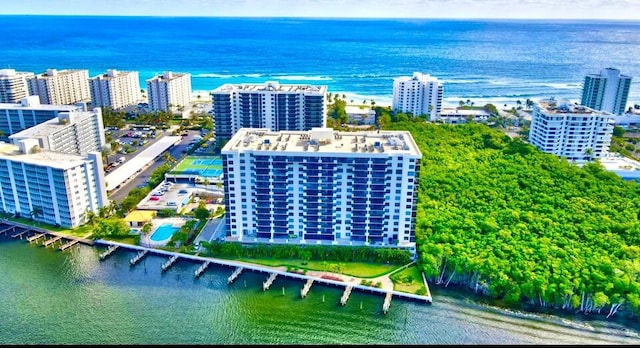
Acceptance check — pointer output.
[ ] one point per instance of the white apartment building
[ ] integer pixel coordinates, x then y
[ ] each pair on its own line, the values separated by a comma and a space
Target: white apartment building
115, 89
360, 115
575, 132
169, 91
607, 91
321, 186
51, 187
72, 132
13, 85
420, 94
270, 105
28, 112
61, 87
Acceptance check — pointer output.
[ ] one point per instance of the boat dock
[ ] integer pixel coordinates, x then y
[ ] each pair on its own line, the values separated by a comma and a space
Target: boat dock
256, 268
51, 241
200, 270
20, 234
234, 275
267, 283
138, 257
306, 288
69, 244
35, 237
345, 295
6, 229
171, 261
387, 303
108, 252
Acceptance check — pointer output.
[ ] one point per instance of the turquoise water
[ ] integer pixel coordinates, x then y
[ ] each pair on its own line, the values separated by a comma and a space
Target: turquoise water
53, 297
163, 232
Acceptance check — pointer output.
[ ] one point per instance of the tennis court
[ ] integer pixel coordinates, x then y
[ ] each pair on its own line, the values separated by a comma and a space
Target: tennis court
206, 167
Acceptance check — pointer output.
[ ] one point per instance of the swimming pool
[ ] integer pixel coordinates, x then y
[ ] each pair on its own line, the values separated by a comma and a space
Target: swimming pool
163, 232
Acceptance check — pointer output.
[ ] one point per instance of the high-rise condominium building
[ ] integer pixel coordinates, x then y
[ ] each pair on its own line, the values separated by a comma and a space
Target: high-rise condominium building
321, 185
74, 132
420, 94
169, 91
13, 85
115, 89
607, 91
61, 87
575, 132
270, 105
52, 187
28, 112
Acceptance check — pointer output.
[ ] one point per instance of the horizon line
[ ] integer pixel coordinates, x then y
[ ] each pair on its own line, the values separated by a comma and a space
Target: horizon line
323, 18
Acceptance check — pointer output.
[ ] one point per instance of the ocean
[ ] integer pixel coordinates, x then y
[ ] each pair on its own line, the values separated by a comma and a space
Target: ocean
497, 61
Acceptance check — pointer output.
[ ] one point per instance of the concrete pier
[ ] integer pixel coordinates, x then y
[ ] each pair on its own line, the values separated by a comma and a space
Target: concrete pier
235, 275
137, 258
170, 262
108, 252
200, 270
387, 303
51, 241
267, 283
306, 288
345, 295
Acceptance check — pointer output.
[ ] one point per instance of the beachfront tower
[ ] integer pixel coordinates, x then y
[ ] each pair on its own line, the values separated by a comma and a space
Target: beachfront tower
269, 105
575, 132
115, 89
14, 85
72, 132
62, 87
169, 91
419, 94
28, 112
607, 91
51, 187
321, 186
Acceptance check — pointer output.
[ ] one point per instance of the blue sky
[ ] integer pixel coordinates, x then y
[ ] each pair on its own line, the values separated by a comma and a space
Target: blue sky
571, 9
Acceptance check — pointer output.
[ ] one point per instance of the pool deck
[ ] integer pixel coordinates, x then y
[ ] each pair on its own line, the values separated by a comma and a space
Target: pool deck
261, 269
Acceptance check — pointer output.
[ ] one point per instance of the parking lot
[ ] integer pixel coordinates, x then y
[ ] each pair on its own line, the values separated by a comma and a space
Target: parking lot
131, 140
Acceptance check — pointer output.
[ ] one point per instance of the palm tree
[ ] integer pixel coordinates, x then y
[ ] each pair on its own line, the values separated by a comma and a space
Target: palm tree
35, 213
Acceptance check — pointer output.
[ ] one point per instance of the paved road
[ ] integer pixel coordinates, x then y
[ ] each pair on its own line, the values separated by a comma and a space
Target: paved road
176, 152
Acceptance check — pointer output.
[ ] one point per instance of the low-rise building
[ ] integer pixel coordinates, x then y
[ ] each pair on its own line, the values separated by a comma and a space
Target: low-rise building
360, 115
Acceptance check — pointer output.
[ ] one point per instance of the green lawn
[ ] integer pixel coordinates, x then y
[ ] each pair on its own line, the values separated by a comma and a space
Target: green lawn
409, 280
126, 240
77, 232
354, 269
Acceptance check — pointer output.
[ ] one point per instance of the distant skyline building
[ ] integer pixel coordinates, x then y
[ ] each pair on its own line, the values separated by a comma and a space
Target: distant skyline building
420, 94
51, 187
270, 105
28, 112
115, 89
74, 132
321, 186
61, 87
607, 91
169, 91
14, 85
575, 132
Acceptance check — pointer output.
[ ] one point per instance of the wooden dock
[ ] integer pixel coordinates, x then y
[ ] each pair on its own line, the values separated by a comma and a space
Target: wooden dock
5, 230
267, 283
235, 275
170, 262
63, 247
108, 252
36, 237
20, 234
139, 256
387, 303
345, 295
200, 270
306, 288
51, 241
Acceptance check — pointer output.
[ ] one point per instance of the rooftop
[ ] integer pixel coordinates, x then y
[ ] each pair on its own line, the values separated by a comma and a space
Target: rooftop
559, 107
46, 128
30, 103
168, 76
324, 140
41, 157
50, 73
270, 86
140, 216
